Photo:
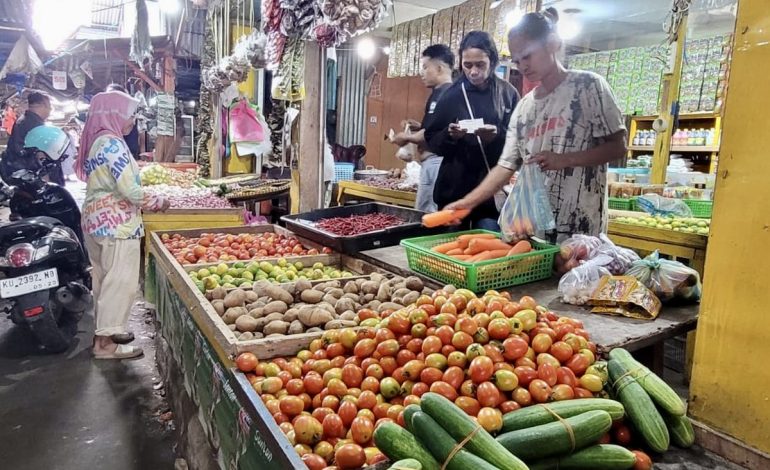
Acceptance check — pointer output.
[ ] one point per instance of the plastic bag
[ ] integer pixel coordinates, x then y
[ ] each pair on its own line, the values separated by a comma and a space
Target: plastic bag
620, 258
575, 250
669, 280
412, 172
658, 205
527, 211
409, 152
578, 284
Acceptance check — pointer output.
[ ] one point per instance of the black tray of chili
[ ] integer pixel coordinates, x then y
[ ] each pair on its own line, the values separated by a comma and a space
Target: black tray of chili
406, 223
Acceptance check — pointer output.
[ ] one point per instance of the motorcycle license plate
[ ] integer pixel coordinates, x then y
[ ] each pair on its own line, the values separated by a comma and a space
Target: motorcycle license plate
32, 282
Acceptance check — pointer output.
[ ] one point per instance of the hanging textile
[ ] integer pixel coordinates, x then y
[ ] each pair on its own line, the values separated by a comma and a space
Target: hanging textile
275, 123
205, 113
141, 43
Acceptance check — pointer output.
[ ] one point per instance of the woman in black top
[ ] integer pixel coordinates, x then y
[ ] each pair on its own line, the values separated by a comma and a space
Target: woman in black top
491, 99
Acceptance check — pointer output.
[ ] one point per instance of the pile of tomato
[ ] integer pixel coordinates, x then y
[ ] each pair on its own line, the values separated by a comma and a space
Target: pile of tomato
489, 355
216, 247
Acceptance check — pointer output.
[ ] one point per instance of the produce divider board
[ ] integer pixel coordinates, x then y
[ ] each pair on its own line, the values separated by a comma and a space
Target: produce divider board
305, 225
211, 324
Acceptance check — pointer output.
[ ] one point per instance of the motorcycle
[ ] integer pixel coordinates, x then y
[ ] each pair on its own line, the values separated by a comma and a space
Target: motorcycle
45, 281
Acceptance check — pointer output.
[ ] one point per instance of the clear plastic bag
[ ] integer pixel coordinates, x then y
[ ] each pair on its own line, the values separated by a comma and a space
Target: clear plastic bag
575, 250
577, 285
669, 280
621, 259
412, 179
658, 205
527, 211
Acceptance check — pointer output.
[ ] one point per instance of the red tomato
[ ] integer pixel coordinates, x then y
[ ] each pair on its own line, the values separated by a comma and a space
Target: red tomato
361, 429
307, 430
578, 363
490, 419
493, 352
388, 364
643, 461
514, 348
561, 351
454, 376
470, 405
414, 345
330, 401
399, 325
419, 389
488, 395
431, 344
247, 362
522, 396
457, 358
375, 370
352, 375
499, 329
314, 461
364, 348
350, 456
413, 369
547, 373
461, 340
295, 386
525, 375
564, 375
582, 393
605, 439
321, 413
541, 343
291, 405
445, 334
347, 412
540, 391
333, 426
404, 356
505, 380
334, 350
381, 410
429, 375
508, 406
475, 306
563, 392
481, 369
525, 362
622, 435
389, 347
371, 384
443, 388
468, 389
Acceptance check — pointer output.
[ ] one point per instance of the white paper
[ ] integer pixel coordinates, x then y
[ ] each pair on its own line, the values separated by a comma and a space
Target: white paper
59, 80
470, 125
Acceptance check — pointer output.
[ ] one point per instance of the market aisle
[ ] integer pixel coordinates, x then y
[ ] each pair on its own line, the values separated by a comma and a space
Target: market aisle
70, 412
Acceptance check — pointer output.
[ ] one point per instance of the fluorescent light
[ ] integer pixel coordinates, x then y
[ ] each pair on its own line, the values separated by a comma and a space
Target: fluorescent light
366, 48
169, 6
569, 28
386, 50
513, 17
54, 29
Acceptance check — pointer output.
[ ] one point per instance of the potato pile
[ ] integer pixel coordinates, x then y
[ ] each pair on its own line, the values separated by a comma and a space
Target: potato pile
269, 310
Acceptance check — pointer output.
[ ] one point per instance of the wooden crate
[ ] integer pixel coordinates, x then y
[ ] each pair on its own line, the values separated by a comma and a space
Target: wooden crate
211, 324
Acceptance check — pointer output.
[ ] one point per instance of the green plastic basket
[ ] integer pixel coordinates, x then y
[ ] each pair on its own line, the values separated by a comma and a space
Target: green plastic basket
483, 276
635, 204
619, 203
700, 209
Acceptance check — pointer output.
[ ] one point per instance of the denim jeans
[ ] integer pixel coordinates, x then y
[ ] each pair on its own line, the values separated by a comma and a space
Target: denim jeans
428, 174
487, 224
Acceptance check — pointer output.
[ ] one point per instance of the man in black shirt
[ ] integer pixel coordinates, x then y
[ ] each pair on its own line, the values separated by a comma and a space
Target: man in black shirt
38, 110
436, 73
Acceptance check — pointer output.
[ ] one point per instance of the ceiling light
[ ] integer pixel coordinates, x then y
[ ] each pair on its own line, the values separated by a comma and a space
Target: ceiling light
366, 48
386, 50
569, 28
513, 17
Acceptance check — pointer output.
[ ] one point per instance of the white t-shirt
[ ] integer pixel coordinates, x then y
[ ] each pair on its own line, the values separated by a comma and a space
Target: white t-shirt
576, 116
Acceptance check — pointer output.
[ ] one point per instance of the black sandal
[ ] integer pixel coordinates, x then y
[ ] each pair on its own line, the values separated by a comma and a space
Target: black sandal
122, 338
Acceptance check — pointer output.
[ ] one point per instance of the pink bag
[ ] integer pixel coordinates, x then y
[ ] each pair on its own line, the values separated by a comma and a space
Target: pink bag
245, 125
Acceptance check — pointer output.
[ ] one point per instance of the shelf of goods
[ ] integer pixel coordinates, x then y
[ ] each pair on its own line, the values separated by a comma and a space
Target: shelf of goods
249, 424
353, 189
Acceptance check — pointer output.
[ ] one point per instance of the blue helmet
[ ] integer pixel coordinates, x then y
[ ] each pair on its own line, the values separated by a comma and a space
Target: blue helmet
48, 139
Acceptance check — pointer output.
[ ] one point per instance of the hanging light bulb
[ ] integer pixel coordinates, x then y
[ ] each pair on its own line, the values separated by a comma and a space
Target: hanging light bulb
366, 48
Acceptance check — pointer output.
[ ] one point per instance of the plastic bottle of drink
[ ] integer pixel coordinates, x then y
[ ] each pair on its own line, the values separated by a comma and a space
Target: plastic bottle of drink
690, 136
702, 137
651, 139
710, 137
635, 142
677, 138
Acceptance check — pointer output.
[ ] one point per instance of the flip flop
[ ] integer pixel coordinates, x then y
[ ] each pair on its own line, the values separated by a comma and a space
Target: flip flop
121, 352
122, 338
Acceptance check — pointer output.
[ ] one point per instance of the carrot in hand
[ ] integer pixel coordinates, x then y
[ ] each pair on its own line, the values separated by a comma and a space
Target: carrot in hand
444, 217
445, 247
478, 245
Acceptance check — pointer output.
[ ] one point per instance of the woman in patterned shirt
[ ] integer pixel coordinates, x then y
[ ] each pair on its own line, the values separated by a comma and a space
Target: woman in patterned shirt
569, 125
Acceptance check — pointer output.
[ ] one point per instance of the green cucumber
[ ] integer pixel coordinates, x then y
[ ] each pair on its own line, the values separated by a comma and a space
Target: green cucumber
441, 445
398, 444
548, 440
459, 425
538, 414
663, 395
639, 407
598, 457
409, 411
680, 428
406, 464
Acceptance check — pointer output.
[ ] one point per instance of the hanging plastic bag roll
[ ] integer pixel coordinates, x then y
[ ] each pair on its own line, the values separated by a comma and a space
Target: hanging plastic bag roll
527, 211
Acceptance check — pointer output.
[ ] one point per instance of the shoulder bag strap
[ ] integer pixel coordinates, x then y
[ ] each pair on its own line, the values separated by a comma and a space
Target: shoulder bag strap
478, 139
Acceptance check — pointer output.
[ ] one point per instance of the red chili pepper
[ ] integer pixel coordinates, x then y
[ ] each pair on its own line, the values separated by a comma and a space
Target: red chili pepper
358, 224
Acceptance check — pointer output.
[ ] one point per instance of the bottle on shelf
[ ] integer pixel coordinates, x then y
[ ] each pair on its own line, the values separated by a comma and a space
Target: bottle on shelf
678, 137
691, 136
637, 136
650, 139
710, 137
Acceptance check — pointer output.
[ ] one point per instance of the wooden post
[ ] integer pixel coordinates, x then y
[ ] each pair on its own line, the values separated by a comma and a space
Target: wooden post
165, 150
669, 100
310, 128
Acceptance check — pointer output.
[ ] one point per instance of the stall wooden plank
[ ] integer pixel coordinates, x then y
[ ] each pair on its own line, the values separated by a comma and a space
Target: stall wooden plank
607, 331
351, 189
657, 235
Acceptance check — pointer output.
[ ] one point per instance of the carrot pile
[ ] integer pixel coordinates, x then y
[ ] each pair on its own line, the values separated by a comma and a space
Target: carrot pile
472, 248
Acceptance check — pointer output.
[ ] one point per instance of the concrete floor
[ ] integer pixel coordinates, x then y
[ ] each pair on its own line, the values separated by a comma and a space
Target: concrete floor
68, 411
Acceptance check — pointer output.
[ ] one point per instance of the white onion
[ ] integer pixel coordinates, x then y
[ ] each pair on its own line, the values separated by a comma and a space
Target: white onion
189, 198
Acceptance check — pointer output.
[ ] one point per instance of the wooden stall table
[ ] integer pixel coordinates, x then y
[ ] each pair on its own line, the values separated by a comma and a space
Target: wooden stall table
646, 337
351, 190
678, 245
250, 202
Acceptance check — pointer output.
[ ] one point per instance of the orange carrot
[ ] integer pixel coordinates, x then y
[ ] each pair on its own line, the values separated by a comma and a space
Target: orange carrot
463, 240
456, 251
488, 255
481, 256
478, 245
444, 217
462, 257
499, 253
521, 247
444, 247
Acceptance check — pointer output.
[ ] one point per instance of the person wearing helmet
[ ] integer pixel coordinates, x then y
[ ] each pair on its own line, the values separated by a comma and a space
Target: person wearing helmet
45, 147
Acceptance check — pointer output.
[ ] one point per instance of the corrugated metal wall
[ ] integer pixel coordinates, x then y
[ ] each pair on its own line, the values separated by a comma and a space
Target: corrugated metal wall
351, 99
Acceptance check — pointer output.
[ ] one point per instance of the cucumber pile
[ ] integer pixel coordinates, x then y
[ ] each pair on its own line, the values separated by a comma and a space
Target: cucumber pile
654, 408
533, 435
